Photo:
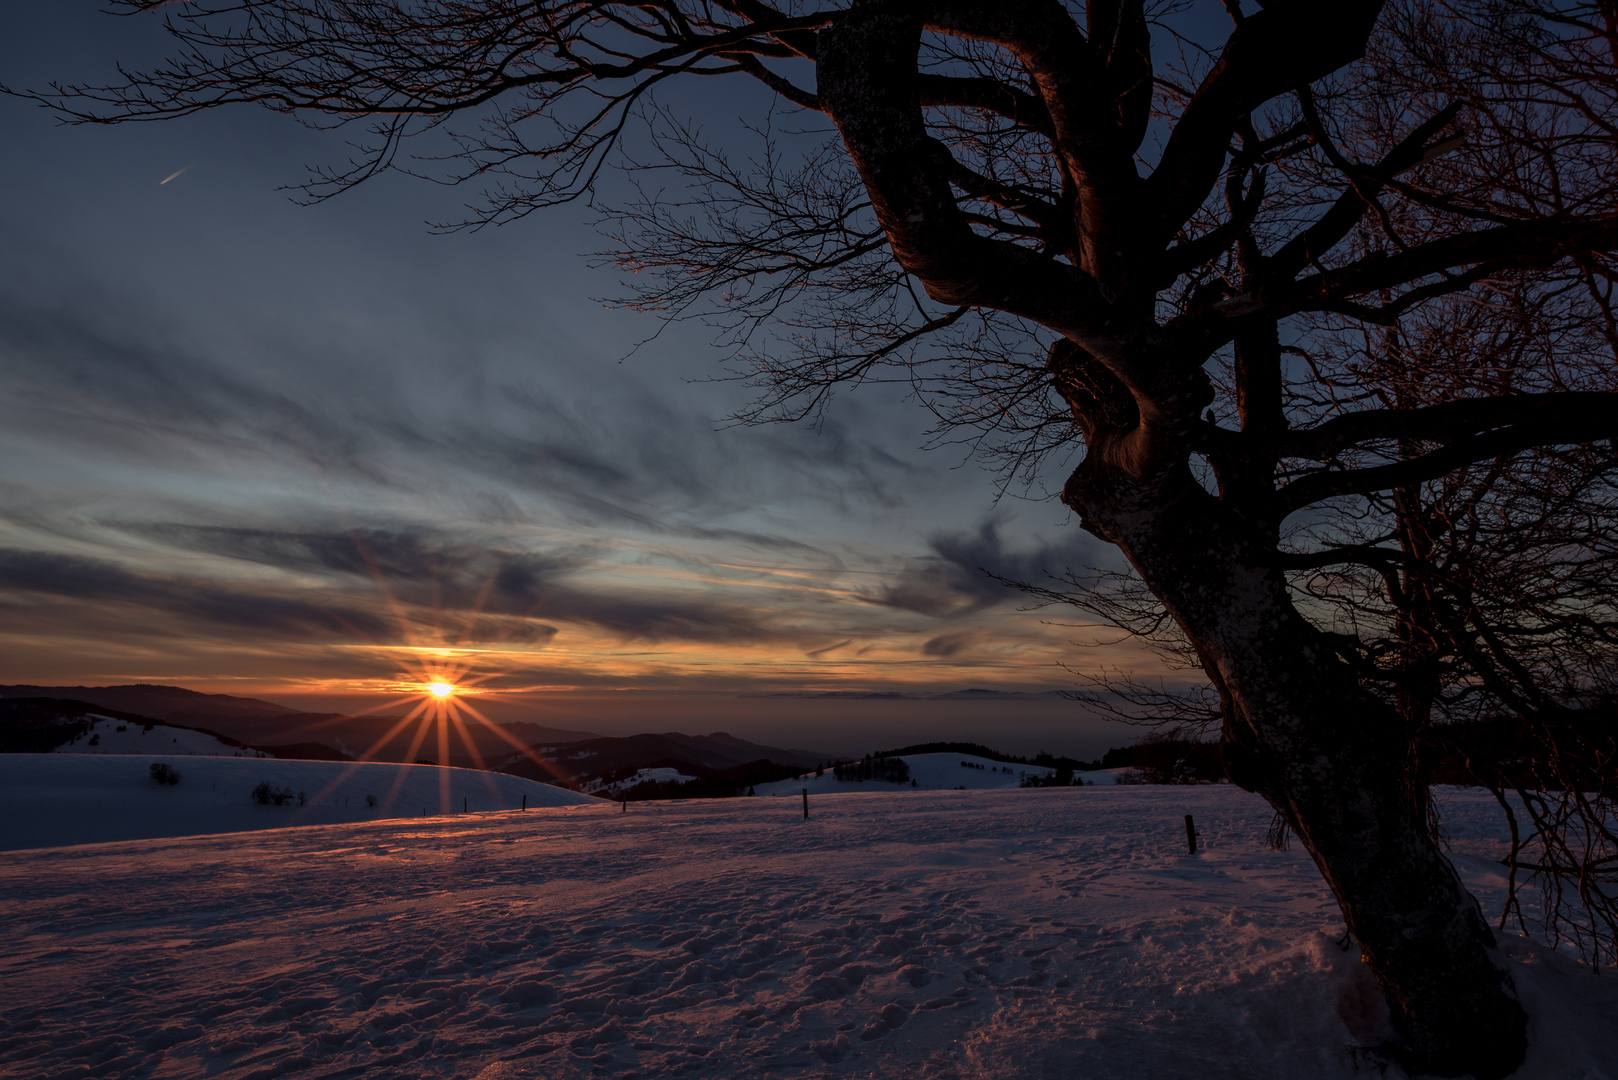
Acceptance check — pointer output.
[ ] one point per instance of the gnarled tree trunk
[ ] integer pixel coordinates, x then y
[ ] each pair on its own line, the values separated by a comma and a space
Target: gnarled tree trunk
1329, 757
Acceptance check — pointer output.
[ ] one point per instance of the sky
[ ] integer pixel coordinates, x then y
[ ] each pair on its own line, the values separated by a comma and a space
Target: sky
311, 453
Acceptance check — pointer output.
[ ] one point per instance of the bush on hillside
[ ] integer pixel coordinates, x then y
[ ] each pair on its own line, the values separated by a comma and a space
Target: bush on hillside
268, 795
165, 774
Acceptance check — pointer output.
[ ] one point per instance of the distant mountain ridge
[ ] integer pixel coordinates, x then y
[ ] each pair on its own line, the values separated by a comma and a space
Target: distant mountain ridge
154, 700
288, 732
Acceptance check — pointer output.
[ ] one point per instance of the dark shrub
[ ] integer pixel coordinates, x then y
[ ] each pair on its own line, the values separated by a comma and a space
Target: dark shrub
164, 773
266, 795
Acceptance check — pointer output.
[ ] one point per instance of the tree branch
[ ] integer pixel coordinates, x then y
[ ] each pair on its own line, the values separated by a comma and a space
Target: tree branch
779, 83
989, 95
1309, 246
1527, 244
1430, 466
1448, 420
1286, 45
868, 82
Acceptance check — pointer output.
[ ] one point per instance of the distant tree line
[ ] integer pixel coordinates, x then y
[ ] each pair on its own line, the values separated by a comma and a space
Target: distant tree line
38, 725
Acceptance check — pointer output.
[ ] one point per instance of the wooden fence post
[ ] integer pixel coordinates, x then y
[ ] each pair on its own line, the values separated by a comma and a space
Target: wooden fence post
1190, 834
806, 804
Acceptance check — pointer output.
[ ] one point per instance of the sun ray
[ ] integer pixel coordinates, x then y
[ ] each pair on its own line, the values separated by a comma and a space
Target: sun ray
443, 761
471, 747
438, 677
521, 748
332, 721
365, 757
415, 747
477, 758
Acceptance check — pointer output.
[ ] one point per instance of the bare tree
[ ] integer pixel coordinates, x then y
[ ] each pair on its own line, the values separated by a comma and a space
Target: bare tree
1482, 605
1102, 225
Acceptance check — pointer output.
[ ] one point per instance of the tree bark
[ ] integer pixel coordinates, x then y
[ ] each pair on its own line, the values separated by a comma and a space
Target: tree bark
1328, 756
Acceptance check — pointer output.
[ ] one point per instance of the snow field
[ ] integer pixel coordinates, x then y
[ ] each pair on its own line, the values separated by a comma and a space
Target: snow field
53, 799
989, 934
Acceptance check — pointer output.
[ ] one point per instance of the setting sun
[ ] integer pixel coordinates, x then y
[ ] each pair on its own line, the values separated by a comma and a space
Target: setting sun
440, 689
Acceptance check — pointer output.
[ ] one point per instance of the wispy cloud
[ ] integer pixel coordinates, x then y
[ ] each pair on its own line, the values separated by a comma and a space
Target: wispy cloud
967, 571
224, 466
198, 604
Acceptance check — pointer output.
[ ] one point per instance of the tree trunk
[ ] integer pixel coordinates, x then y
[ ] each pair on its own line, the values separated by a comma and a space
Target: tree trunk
1328, 756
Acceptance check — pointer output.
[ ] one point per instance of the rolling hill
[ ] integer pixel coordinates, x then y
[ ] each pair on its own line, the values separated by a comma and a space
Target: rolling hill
622, 764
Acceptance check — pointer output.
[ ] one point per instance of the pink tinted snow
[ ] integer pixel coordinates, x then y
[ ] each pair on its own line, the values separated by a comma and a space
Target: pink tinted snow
992, 934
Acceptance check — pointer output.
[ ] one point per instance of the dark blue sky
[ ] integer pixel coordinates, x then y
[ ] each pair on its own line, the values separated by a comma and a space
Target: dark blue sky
268, 448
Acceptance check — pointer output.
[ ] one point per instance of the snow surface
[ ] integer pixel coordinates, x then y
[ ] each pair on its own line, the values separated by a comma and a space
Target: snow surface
52, 799
115, 736
990, 935
935, 772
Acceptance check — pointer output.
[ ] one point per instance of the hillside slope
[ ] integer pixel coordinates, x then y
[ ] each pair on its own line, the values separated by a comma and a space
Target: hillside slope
54, 799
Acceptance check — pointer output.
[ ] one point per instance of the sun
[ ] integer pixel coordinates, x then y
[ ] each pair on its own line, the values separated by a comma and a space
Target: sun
441, 689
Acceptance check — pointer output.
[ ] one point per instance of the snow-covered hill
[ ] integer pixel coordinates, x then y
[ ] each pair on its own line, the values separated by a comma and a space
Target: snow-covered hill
661, 775
109, 735
51, 799
954, 935
933, 772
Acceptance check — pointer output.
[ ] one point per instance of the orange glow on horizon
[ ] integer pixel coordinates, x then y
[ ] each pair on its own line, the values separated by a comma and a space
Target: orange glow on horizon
440, 714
